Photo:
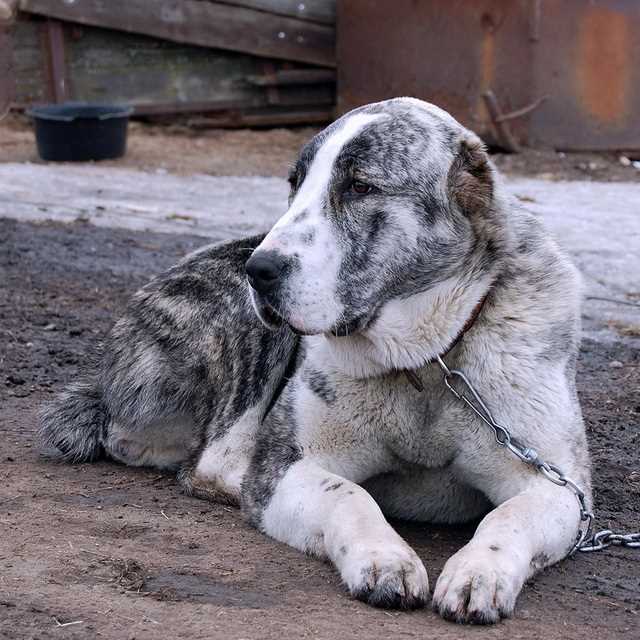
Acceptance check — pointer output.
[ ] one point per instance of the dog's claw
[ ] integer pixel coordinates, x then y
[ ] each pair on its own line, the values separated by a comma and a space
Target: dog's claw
472, 589
390, 578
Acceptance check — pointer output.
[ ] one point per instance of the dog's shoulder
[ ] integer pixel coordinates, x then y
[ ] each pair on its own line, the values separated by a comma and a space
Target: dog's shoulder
538, 293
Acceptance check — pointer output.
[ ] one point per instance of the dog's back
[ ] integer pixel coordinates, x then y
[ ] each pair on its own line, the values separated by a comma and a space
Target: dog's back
189, 352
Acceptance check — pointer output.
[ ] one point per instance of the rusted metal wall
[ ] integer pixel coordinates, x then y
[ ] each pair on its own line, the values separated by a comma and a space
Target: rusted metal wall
559, 73
588, 62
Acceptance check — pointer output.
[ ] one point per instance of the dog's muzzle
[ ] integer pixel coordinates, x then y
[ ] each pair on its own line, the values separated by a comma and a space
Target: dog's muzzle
265, 270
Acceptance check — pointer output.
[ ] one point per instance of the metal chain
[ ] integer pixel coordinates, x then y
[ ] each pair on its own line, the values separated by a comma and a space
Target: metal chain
584, 540
606, 538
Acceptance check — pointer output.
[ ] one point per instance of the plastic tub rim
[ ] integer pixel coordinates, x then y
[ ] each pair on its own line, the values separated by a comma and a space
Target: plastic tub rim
47, 112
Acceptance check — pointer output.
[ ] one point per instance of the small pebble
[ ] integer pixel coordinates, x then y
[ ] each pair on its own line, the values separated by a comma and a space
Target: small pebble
20, 393
616, 364
624, 161
49, 327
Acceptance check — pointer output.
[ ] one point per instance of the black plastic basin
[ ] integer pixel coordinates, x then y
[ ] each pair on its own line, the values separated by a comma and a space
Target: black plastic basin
76, 132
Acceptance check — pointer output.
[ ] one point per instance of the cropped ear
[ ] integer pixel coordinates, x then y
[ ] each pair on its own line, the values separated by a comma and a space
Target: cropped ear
470, 178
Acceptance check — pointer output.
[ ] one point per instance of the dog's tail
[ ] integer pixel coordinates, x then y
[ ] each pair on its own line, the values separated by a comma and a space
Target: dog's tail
72, 425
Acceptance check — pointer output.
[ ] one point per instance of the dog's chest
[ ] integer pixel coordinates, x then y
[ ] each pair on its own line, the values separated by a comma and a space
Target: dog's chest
385, 418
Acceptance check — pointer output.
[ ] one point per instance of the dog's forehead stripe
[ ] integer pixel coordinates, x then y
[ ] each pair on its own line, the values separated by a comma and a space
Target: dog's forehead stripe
319, 174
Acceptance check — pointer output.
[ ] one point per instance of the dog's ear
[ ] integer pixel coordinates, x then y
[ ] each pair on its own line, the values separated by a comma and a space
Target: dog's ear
470, 179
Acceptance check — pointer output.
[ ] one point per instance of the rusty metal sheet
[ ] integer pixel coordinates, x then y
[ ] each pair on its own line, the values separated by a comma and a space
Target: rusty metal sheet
559, 73
588, 61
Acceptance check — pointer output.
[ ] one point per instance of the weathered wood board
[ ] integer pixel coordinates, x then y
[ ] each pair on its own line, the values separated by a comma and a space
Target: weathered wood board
323, 11
30, 64
7, 76
208, 24
158, 76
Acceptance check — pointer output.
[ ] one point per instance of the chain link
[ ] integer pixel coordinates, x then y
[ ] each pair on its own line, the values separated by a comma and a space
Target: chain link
606, 538
584, 540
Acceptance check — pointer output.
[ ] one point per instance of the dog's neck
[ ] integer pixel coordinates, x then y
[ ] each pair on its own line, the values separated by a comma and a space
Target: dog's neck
412, 332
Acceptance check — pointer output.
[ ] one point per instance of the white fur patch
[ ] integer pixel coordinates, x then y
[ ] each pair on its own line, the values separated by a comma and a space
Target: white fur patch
329, 516
225, 461
408, 332
314, 306
313, 190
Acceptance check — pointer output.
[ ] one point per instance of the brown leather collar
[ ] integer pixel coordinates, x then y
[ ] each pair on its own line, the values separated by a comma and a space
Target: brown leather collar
411, 374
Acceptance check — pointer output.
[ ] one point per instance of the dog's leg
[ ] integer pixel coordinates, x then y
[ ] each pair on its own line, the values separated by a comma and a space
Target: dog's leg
328, 516
531, 530
164, 444
218, 471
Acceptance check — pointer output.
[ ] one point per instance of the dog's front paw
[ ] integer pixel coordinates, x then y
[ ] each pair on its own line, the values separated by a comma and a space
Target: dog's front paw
385, 575
476, 586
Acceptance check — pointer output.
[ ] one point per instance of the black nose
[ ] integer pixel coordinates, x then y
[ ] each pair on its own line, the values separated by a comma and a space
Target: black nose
264, 270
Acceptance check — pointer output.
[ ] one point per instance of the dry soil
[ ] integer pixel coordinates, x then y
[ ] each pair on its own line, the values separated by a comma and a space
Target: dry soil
104, 551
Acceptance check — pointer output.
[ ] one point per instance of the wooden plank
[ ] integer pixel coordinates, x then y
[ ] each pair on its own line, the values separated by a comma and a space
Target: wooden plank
143, 71
161, 77
205, 24
235, 120
57, 60
7, 71
323, 11
285, 77
157, 76
30, 68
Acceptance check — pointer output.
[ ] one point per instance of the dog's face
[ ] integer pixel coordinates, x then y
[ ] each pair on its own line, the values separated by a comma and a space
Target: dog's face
381, 207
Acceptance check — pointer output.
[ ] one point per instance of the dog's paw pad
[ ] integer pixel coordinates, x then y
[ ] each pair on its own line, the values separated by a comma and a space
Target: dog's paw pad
391, 578
474, 589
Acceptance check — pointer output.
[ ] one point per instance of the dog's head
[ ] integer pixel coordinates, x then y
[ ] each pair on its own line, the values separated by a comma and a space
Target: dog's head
385, 203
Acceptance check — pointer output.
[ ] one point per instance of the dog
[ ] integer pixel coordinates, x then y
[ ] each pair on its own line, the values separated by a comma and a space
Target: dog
299, 375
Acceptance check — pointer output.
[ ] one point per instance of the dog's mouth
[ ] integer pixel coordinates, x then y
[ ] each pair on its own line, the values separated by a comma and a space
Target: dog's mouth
267, 314
357, 324
273, 319
345, 329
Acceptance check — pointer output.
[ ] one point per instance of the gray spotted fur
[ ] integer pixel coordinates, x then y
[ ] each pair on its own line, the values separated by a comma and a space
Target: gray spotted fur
372, 285
188, 354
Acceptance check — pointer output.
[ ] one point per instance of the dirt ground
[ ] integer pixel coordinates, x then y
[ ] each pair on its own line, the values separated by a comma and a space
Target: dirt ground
104, 551
269, 152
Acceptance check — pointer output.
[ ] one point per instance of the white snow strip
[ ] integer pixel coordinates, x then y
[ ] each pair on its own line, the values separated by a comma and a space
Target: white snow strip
597, 222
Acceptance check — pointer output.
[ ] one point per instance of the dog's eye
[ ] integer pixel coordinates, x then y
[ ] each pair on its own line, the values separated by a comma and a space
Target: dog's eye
360, 188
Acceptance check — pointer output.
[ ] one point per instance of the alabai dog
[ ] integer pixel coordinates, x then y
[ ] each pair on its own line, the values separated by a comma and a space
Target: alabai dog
296, 374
